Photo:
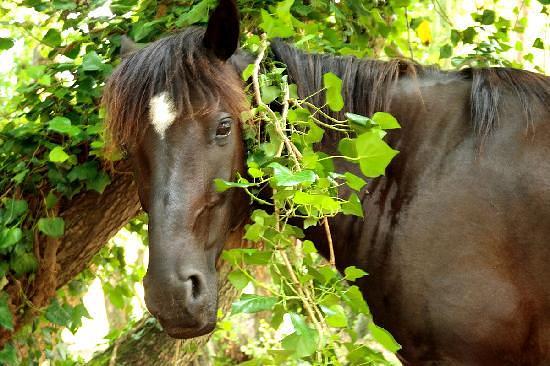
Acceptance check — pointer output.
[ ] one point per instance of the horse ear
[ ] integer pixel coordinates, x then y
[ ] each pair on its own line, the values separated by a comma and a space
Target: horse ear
127, 46
222, 33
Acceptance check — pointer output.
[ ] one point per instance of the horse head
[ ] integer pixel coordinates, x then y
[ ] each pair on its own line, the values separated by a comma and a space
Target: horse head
175, 106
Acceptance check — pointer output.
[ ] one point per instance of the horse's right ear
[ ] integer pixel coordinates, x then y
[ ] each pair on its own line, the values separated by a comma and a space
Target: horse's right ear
127, 46
222, 33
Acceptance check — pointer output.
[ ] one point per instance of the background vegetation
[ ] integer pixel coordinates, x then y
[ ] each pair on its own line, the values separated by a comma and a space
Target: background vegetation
56, 178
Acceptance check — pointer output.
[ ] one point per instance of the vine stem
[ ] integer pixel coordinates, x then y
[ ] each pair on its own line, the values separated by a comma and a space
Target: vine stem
332, 258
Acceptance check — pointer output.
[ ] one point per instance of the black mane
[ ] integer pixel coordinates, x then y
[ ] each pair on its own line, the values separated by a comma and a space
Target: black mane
367, 84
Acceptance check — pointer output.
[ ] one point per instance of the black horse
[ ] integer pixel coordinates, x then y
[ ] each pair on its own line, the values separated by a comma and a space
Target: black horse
457, 234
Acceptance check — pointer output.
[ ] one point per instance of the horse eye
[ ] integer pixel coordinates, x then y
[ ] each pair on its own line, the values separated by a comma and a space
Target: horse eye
224, 128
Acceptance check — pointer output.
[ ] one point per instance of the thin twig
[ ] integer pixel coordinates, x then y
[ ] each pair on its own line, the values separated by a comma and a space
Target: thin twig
332, 258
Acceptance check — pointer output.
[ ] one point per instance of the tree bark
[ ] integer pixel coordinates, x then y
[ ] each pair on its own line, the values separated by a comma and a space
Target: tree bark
91, 219
147, 344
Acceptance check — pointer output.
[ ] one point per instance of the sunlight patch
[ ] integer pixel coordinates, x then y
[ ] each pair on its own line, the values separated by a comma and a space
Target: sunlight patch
162, 112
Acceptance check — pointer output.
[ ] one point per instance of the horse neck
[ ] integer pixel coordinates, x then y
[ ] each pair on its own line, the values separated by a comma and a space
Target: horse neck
399, 87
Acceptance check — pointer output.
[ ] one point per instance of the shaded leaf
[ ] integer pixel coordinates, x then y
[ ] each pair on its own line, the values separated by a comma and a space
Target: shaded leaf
52, 226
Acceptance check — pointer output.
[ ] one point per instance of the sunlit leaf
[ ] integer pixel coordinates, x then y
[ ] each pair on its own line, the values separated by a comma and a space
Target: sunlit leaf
249, 303
333, 86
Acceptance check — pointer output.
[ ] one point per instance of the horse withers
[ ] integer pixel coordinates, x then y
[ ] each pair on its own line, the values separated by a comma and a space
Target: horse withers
456, 235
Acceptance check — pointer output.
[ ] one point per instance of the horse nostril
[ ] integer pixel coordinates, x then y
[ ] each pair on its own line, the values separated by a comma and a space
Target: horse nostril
195, 286
194, 283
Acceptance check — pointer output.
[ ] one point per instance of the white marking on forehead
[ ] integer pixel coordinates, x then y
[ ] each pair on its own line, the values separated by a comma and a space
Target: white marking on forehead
162, 112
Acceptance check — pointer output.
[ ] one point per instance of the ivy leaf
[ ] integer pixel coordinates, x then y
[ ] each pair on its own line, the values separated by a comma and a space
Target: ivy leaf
383, 337
9, 237
249, 303
238, 279
8, 355
354, 182
385, 120
538, 43
24, 263
347, 147
92, 62
304, 340
446, 51
284, 177
336, 317
58, 314
223, 185
58, 155
6, 317
99, 182
52, 226
269, 93
352, 273
14, 209
6, 43
374, 154
353, 206
52, 38
488, 17
333, 86
63, 125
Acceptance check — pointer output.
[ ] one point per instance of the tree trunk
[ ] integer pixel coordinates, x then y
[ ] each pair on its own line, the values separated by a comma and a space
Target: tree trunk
146, 344
91, 219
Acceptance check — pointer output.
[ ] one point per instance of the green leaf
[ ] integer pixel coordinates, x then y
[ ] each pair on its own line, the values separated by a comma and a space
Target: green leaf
284, 177
63, 125
354, 298
359, 120
92, 62
222, 185
6, 317
374, 154
85, 171
333, 86
14, 209
247, 72
52, 226
304, 340
538, 43
24, 263
99, 182
544, 2
353, 206
8, 355
336, 317
309, 247
488, 17
9, 237
58, 155
354, 182
269, 93
51, 200
446, 51
6, 43
383, 337
385, 120
352, 273
249, 303
347, 147
238, 279
52, 38
56, 314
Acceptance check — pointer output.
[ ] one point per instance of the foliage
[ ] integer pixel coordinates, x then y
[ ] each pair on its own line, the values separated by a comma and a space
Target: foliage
52, 148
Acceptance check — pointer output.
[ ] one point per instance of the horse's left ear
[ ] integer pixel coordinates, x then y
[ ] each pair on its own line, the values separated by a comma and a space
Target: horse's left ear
222, 33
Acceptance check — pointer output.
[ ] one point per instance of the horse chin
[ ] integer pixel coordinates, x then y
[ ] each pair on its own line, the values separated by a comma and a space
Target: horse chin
186, 333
